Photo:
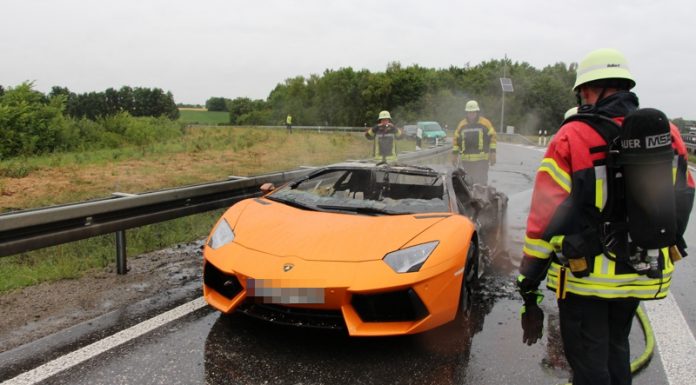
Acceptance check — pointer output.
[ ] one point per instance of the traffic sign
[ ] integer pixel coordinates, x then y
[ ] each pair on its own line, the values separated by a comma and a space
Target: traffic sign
506, 83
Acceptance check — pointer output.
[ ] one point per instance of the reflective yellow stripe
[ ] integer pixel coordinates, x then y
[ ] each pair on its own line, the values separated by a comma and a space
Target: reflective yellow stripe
612, 280
474, 157
600, 186
675, 164
480, 144
557, 242
561, 177
600, 266
611, 265
537, 248
642, 292
603, 282
604, 266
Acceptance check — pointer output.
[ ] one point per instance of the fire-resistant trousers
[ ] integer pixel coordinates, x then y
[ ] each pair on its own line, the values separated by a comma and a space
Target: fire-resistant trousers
477, 170
595, 338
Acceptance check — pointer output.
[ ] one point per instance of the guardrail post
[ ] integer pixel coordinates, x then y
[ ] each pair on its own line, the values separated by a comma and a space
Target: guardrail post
121, 265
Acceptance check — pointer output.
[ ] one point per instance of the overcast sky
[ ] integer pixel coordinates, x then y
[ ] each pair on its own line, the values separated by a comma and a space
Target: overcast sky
230, 48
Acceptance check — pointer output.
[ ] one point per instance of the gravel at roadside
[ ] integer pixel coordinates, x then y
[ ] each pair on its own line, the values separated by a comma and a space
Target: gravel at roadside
37, 311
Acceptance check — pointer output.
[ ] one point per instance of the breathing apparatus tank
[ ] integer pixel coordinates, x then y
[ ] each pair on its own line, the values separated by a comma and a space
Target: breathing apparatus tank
645, 158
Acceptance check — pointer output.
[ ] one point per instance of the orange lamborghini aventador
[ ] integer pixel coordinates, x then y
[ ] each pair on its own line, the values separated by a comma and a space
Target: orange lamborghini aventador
374, 249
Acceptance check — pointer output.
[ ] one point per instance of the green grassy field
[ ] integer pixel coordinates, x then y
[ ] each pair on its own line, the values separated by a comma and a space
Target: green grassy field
204, 117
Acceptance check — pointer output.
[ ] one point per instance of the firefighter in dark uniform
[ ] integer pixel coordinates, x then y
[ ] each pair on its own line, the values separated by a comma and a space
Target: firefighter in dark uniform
474, 144
597, 287
384, 134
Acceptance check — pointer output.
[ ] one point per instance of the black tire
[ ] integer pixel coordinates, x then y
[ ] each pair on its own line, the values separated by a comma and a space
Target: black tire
469, 277
473, 263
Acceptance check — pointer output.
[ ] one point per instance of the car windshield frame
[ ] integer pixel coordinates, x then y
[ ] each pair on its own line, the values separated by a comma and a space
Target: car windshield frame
432, 127
368, 191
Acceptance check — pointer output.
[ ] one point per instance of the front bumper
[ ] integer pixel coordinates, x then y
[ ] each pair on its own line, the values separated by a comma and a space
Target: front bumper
365, 298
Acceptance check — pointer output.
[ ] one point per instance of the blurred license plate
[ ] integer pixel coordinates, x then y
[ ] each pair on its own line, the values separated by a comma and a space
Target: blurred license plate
284, 295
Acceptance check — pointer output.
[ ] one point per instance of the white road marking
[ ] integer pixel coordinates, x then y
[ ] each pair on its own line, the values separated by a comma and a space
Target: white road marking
69, 360
674, 340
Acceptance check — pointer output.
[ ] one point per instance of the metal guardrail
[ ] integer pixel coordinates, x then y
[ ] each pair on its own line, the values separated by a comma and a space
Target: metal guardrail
514, 138
690, 142
33, 229
300, 128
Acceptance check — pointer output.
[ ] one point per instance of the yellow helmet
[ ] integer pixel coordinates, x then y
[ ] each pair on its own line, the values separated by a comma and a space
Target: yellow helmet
605, 63
472, 105
384, 115
571, 111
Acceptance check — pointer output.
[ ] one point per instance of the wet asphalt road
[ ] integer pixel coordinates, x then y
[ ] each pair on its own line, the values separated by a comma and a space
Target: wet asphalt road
486, 348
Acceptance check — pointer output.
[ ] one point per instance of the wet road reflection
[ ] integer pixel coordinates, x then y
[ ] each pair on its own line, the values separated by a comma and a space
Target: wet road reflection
483, 348
241, 350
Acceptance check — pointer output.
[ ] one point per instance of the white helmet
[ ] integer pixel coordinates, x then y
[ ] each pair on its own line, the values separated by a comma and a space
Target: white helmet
605, 63
384, 115
471, 106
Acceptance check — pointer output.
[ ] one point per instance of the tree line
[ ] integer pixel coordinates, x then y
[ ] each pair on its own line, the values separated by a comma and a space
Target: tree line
138, 101
33, 123
348, 97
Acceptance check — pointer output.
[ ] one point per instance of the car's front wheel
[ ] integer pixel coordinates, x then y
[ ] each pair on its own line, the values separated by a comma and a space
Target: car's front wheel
470, 277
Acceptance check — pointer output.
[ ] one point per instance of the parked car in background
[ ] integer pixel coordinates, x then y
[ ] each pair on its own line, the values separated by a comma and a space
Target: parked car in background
431, 131
410, 130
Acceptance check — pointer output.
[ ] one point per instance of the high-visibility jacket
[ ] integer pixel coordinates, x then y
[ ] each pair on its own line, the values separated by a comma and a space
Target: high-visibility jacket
570, 192
385, 141
474, 141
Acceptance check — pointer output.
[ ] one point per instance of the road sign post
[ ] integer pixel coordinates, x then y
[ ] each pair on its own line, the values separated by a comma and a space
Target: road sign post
506, 86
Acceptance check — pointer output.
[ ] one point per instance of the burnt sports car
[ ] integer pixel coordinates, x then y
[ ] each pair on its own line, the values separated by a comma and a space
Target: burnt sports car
373, 249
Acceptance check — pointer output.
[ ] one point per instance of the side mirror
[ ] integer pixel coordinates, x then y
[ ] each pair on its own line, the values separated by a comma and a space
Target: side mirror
267, 187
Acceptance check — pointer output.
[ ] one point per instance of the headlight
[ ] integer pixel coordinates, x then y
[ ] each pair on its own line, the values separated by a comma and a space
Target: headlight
410, 259
222, 235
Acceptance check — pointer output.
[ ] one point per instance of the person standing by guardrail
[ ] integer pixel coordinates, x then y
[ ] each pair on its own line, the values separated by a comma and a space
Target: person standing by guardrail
474, 143
384, 134
288, 123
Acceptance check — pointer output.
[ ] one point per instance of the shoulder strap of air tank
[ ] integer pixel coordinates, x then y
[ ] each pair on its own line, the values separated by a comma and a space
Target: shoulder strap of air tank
607, 128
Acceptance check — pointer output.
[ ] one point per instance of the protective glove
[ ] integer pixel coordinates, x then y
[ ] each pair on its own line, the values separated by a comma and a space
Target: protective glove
491, 158
531, 315
532, 323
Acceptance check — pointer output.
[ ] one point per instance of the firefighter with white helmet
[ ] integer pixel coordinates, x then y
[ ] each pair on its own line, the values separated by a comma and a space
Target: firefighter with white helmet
384, 134
580, 227
474, 143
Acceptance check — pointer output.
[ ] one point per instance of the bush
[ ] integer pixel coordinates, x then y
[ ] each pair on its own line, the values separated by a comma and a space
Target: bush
29, 122
146, 130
